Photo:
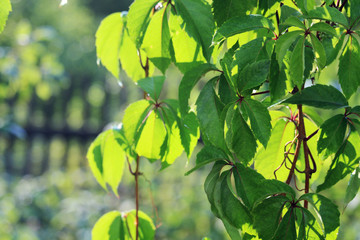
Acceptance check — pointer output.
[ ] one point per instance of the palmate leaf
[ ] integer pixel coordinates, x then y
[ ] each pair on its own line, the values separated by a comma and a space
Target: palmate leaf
134, 118
207, 155
349, 72
252, 187
152, 86
108, 42
227, 9
342, 165
329, 14
283, 44
239, 138
4, 13
152, 137
106, 156
287, 229
227, 205
253, 75
139, 19
248, 53
117, 225
209, 116
277, 79
113, 44
323, 27
199, 22
297, 64
241, 24
353, 186
328, 211
156, 42
187, 52
188, 82
267, 215
332, 134
319, 51
260, 119
321, 96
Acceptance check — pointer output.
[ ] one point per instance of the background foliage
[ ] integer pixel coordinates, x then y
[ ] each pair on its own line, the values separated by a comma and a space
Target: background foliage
50, 56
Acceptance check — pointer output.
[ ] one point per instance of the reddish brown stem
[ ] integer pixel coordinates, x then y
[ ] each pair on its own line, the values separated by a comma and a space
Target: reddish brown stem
137, 173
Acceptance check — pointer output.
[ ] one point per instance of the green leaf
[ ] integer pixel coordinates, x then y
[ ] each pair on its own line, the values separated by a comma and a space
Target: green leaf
353, 186
212, 130
207, 155
210, 183
297, 64
267, 215
188, 82
186, 52
253, 75
106, 158
108, 42
329, 14
152, 85
321, 96
286, 229
327, 210
227, 9
133, 119
323, 27
146, 225
332, 134
109, 226
252, 187
173, 146
152, 137
199, 22
227, 205
342, 165
248, 53
241, 24
239, 137
283, 44
294, 21
227, 65
4, 13
189, 133
277, 78
349, 72
139, 19
156, 42
130, 61
260, 119
319, 51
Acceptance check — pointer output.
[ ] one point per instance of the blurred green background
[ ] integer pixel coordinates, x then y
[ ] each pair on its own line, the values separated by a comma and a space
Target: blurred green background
54, 100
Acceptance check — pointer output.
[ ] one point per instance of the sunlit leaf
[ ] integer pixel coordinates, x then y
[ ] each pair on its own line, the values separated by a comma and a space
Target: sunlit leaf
152, 86
134, 118
156, 41
108, 42
199, 22
109, 226
152, 137
106, 157
353, 186
4, 13
139, 17
226, 9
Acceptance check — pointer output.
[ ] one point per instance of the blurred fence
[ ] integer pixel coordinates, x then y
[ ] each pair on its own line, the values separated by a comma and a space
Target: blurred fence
57, 131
